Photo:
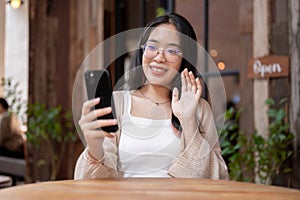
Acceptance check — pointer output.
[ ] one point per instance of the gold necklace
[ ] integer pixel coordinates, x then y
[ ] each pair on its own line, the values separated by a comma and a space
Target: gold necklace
157, 103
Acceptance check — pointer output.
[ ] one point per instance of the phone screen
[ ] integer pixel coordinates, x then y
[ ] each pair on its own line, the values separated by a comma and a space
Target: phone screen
98, 84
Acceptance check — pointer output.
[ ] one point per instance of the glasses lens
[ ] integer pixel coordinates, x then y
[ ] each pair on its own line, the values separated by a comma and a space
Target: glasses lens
172, 54
150, 51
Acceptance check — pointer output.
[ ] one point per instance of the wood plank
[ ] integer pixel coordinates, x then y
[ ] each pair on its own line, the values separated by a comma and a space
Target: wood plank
148, 188
246, 122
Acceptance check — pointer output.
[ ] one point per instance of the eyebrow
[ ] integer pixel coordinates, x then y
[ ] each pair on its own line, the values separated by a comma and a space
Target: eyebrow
169, 44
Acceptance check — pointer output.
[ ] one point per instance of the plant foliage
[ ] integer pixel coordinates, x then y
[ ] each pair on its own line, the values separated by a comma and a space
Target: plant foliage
254, 154
45, 125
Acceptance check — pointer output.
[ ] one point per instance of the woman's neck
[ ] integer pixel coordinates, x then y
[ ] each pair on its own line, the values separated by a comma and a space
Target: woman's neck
156, 93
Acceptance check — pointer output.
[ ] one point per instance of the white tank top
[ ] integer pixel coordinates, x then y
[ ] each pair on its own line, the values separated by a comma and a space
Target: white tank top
147, 147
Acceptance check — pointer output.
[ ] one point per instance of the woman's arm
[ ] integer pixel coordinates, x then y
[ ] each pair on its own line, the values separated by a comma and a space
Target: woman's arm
201, 156
89, 166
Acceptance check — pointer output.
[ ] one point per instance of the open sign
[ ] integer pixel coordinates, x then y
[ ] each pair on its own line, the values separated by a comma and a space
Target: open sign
268, 67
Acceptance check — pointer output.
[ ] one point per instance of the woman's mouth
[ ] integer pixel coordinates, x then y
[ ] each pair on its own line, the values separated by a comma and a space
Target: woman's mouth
158, 70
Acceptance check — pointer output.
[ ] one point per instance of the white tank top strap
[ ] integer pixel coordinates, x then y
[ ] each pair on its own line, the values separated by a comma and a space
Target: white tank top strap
127, 102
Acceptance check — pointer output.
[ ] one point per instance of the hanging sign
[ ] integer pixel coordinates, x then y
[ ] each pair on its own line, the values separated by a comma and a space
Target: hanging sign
271, 66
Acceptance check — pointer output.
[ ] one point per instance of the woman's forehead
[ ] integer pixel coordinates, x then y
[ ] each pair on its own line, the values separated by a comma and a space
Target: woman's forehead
165, 33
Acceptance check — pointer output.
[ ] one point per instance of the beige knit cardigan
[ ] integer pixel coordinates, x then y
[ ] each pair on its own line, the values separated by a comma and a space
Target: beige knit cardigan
200, 157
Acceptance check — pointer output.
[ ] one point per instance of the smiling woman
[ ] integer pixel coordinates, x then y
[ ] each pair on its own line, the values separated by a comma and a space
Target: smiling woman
165, 128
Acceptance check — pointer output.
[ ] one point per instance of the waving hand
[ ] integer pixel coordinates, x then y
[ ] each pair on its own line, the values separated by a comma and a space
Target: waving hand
186, 106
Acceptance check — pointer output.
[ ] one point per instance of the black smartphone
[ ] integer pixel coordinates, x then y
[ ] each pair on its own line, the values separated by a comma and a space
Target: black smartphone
98, 84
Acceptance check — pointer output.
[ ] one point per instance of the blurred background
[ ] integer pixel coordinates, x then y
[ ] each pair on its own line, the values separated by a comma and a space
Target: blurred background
254, 44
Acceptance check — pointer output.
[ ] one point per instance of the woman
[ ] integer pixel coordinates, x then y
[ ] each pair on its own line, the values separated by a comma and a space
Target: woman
165, 128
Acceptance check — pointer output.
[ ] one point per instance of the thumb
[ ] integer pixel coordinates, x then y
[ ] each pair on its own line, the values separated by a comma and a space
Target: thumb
175, 95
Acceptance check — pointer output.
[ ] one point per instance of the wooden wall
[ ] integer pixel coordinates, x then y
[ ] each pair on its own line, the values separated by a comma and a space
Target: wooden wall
62, 33
294, 52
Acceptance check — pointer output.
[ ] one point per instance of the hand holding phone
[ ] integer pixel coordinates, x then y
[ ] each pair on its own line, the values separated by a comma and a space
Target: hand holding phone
98, 85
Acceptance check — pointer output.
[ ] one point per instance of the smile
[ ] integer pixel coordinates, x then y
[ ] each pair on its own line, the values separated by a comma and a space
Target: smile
158, 69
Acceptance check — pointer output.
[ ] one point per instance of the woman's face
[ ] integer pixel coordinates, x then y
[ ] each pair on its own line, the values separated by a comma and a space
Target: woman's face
161, 66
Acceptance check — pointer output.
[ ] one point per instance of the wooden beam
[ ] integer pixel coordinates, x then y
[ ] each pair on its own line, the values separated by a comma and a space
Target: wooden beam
2, 40
294, 38
260, 48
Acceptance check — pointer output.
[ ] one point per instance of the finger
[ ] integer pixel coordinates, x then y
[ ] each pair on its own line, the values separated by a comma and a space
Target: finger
188, 80
199, 85
95, 113
175, 95
183, 81
199, 88
109, 135
101, 123
193, 82
106, 122
87, 106
90, 129
99, 134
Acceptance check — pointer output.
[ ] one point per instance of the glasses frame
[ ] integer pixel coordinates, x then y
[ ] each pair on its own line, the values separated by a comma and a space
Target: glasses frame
164, 53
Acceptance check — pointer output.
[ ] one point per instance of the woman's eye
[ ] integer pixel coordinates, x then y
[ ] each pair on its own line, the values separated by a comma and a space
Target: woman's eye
173, 51
151, 47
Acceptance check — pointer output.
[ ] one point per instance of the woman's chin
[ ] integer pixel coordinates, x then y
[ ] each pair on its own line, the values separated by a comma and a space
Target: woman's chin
158, 83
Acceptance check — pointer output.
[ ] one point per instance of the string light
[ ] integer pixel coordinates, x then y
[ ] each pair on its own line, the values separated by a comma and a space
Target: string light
15, 4
213, 53
221, 65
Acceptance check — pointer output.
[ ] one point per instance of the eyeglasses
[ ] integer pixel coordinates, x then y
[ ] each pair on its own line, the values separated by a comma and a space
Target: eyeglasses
171, 54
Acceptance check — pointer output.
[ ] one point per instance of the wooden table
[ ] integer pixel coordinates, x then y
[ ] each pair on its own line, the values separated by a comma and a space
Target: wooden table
152, 189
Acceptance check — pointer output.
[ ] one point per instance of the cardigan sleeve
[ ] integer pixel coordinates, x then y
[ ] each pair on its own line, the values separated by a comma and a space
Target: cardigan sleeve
201, 156
89, 168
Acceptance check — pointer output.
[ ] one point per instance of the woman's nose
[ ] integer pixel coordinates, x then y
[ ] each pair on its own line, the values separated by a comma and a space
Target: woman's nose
160, 56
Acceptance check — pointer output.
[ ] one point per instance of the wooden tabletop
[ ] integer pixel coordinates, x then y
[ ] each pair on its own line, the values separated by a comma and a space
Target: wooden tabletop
151, 188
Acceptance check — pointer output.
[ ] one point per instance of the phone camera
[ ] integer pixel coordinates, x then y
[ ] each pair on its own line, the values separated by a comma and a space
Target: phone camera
91, 74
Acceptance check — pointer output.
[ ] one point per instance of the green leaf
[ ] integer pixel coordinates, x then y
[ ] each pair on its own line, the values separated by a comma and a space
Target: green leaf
41, 162
282, 101
272, 113
287, 170
270, 102
280, 115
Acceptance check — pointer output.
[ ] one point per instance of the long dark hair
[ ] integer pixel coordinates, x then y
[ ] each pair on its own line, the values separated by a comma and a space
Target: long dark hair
188, 45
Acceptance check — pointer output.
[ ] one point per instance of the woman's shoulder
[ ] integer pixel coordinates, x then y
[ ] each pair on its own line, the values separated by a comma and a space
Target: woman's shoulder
119, 97
121, 93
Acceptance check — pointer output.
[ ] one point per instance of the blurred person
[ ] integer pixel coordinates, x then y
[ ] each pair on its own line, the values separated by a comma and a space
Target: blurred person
165, 128
12, 139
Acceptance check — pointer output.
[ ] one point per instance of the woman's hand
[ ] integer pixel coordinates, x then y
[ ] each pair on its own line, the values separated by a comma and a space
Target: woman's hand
91, 127
185, 107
